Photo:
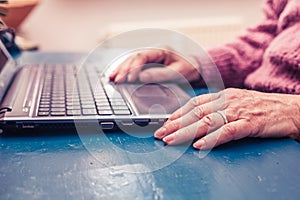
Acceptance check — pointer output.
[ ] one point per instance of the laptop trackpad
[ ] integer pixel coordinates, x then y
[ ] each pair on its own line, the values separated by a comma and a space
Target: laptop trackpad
154, 98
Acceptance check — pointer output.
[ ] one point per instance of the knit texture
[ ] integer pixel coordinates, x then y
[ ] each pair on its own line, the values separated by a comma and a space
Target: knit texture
267, 56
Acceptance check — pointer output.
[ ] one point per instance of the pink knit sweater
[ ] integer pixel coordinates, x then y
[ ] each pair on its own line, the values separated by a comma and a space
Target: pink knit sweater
266, 57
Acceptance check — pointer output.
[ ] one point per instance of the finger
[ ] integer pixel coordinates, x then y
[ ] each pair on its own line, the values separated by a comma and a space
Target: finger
207, 124
113, 75
129, 64
158, 74
135, 69
192, 103
137, 61
231, 131
193, 116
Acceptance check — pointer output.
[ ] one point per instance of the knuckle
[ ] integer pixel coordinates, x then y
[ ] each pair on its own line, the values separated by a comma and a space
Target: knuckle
173, 126
141, 57
230, 131
198, 112
181, 69
231, 114
208, 121
137, 55
194, 102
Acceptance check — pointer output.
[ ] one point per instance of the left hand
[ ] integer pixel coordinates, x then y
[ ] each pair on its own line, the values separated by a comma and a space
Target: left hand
249, 114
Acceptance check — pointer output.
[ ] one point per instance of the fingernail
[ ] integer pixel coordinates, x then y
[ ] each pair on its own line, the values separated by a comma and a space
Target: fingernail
129, 78
167, 122
199, 144
160, 133
118, 78
168, 139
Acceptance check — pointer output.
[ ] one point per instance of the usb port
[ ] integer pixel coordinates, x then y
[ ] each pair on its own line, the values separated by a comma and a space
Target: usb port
107, 125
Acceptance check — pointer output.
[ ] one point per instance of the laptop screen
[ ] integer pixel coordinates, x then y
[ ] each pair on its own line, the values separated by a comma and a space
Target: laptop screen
3, 60
8, 68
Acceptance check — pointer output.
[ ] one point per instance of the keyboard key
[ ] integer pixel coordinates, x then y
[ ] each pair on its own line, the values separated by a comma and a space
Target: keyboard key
44, 109
44, 98
58, 105
41, 113
57, 113
99, 94
57, 109
118, 103
86, 95
46, 94
73, 99
90, 102
104, 107
119, 107
105, 112
74, 107
100, 104
73, 112
89, 112
45, 103
54, 96
57, 102
44, 106
88, 106
101, 100
58, 99
71, 103
122, 112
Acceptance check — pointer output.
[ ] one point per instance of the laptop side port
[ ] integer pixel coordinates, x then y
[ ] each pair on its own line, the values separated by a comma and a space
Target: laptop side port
107, 125
141, 122
128, 122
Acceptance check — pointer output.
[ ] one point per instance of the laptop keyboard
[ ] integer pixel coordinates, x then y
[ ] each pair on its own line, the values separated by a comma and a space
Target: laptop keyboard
66, 93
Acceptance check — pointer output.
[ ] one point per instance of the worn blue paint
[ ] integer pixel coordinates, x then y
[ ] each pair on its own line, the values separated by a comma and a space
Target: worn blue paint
60, 167
101, 166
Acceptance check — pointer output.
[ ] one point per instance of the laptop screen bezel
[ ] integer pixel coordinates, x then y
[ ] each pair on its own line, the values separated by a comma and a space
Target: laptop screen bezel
7, 71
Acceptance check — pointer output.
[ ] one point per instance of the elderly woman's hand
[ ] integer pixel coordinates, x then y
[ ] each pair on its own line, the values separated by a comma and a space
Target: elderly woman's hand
165, 66
247, 114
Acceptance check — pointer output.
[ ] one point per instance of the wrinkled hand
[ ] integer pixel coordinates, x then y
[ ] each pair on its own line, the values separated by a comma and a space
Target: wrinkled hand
249, 114
169, 67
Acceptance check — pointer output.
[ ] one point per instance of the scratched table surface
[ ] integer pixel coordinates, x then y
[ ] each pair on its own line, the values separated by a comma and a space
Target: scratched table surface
117, 165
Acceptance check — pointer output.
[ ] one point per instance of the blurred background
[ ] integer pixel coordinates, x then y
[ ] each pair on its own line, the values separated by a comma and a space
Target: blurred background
79, 25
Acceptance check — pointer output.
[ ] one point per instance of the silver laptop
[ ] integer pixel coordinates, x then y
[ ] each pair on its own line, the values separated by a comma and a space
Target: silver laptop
55, 97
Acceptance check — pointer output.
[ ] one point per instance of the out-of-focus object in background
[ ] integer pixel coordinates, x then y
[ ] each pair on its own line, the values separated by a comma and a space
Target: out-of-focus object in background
15, 12
7, 37
3, 11
207, 32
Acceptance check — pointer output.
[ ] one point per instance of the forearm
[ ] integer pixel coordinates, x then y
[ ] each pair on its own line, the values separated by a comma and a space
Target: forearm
236, 59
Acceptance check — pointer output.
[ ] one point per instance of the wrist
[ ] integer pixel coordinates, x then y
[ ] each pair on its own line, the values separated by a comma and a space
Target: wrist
296, 105
196, 74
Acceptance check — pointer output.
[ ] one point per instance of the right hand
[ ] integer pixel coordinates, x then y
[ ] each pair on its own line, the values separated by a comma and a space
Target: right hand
175, 68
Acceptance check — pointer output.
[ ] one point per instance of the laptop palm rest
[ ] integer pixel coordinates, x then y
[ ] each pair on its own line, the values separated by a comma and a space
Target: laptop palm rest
22, 92
154, 98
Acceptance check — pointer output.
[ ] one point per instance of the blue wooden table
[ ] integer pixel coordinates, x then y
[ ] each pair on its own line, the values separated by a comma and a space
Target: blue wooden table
61, 167
136, 166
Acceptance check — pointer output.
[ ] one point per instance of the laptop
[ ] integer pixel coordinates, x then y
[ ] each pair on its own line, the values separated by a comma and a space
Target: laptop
56, 97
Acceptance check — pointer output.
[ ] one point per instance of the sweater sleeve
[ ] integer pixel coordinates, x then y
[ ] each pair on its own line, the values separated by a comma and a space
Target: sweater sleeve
237, 59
